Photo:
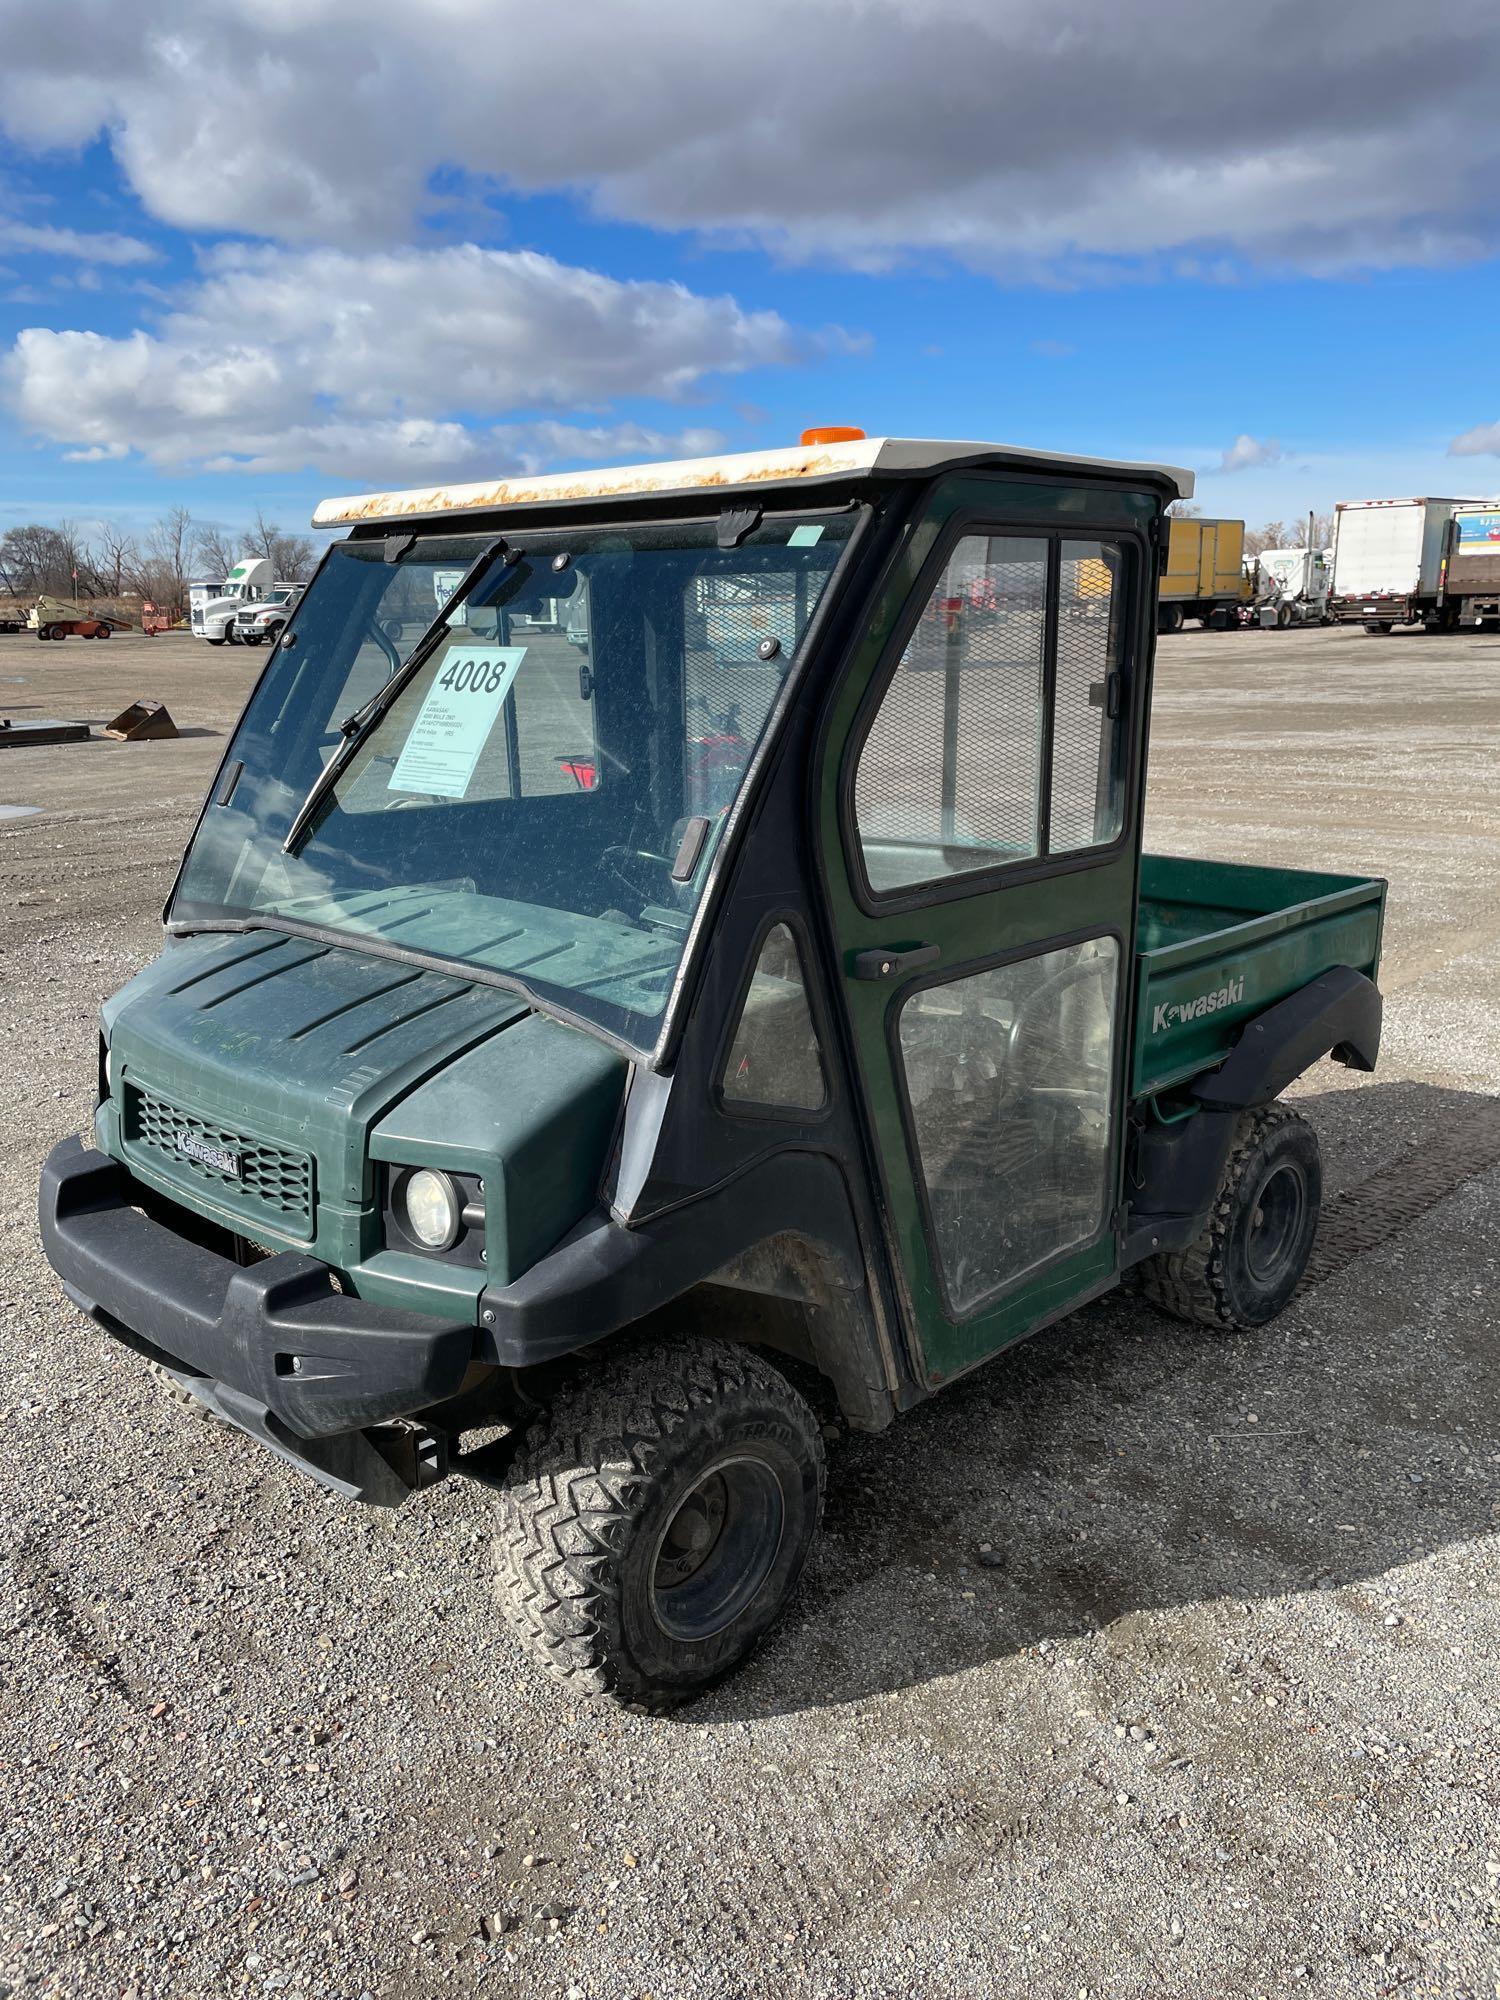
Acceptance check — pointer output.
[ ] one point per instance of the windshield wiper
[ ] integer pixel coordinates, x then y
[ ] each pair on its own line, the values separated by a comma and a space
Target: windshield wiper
355, 728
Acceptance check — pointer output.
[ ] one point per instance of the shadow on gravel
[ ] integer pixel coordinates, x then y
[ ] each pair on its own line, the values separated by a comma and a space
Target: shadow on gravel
1125, 1462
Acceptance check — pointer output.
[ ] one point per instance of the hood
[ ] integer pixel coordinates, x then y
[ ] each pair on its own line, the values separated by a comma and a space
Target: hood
329, 1061
298, 1044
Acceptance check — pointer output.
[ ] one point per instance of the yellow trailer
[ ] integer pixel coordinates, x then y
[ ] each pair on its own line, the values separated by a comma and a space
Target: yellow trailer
1204, 575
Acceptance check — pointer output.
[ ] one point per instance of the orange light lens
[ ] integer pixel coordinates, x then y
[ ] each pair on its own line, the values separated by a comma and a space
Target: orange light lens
833, 434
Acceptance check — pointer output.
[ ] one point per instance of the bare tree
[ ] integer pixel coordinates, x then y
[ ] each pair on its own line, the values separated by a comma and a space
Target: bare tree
1322, 530
1272, 536
1185, 510
36, 560
291, 556
214, 552
114, 559
162, 574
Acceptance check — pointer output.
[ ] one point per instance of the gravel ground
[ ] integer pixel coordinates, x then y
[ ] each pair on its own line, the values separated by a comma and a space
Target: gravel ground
1144, 1662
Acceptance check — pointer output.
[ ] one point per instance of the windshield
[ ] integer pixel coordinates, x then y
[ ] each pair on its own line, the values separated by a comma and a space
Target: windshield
544, 797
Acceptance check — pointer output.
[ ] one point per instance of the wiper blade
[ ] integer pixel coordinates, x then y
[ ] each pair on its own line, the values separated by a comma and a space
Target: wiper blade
355, 728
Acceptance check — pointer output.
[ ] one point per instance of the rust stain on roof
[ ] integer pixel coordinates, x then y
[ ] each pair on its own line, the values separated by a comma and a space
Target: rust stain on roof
609, 482
786, 465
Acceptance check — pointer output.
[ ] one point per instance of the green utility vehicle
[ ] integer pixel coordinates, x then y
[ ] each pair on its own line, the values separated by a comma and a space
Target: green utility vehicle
584, 1044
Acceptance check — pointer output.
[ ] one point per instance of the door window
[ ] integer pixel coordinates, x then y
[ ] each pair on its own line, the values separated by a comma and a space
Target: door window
1008, 1077
949, 777
1088, 767
999, 737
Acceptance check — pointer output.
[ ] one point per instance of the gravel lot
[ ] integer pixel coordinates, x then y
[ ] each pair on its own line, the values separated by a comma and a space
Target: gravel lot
1217, 1716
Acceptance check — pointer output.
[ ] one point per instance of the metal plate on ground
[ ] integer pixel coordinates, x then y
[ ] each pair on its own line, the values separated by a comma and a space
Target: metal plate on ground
20, 734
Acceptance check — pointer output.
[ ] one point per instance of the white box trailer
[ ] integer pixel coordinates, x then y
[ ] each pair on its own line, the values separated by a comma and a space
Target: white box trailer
1388, 560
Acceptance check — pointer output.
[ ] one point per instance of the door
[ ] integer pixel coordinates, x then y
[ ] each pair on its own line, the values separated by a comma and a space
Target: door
982, 877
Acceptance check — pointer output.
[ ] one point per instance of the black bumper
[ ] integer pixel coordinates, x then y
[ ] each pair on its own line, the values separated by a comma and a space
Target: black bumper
272, 1347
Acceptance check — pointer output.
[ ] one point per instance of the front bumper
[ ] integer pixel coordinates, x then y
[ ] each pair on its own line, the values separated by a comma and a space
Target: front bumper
273, 1347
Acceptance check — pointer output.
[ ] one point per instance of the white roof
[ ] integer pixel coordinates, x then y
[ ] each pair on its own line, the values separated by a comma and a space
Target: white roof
731, 471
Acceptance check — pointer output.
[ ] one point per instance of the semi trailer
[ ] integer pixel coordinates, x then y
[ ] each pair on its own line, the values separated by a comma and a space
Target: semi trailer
1388, 558
1470, 583
1203, 576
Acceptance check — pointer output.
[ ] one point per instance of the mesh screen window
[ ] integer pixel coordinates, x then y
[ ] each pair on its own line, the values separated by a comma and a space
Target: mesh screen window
950, 777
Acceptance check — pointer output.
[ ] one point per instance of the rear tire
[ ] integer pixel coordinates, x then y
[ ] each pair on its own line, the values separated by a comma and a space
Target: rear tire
1169, 618
657, 1519
1245, 1266
1377, 628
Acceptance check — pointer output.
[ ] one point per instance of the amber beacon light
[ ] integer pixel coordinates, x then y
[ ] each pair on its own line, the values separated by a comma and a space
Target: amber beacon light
833, 434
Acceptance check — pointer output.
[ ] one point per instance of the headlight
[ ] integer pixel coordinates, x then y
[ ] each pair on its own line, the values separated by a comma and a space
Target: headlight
431, 1208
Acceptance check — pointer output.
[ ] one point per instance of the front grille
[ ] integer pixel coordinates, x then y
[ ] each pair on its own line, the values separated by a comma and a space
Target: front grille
274, 1181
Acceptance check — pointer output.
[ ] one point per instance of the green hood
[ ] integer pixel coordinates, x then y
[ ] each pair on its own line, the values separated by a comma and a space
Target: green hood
310, 1062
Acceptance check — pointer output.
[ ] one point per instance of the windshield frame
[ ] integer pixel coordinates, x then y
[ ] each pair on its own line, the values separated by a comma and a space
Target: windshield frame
862, 511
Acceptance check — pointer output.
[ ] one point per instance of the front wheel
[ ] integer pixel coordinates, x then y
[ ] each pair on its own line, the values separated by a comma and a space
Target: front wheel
1249, 1259
214, 641
658, 1518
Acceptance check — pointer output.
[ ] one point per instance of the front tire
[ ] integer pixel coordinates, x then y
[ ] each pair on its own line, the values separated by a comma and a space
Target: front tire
1249, 1259
658, 1518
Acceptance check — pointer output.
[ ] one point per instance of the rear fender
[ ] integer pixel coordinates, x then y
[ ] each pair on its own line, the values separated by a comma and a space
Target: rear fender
1176, 1167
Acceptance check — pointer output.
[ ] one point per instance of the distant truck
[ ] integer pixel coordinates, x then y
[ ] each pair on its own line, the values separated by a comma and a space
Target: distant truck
266, 619
1388, 559
251, 581
1470, 584
1204, 575
1292, 585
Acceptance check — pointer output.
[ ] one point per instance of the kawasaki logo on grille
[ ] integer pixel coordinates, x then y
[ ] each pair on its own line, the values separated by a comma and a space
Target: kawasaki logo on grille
1173, 1013
199, 1150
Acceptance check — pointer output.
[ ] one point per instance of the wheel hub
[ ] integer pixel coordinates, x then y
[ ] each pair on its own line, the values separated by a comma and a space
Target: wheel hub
1275, 1223
718, 1548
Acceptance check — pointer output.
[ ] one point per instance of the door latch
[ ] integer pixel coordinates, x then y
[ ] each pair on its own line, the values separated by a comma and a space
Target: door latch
890, 964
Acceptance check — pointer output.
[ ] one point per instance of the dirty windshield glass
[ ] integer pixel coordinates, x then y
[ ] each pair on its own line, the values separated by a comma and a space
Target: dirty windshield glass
544, 796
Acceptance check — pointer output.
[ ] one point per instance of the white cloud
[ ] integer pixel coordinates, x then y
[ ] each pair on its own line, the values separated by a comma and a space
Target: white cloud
402, 364
1246, 453
1481, 442
100, 246
1064, 142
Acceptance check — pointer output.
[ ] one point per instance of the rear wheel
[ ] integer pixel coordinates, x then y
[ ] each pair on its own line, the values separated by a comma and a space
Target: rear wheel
1378, 628
658, 1518
1169, 618
1283, 616
1249, 1259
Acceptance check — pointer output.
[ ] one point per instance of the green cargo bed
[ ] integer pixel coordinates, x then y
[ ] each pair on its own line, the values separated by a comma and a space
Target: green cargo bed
1218, 943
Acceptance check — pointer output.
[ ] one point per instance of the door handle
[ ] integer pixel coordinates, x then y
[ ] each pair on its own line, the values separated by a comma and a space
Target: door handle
890, 964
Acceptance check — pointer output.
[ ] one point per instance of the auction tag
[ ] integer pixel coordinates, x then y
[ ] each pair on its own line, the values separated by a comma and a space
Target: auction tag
454, 722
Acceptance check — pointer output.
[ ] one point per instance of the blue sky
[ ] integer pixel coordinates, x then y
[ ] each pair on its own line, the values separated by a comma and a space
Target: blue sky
351, 262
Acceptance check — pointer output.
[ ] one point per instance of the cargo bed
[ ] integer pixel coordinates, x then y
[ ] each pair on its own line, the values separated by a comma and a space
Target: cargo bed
1218, 943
